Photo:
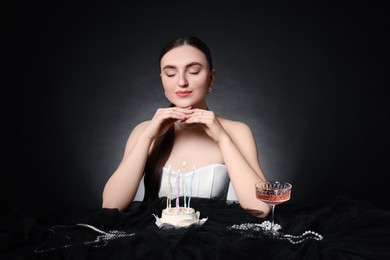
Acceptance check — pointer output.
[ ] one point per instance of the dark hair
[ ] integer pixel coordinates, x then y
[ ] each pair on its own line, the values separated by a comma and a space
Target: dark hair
162, 146
188, 40
159, 155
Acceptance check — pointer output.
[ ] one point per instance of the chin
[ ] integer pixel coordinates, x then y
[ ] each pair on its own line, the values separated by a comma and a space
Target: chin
182, 104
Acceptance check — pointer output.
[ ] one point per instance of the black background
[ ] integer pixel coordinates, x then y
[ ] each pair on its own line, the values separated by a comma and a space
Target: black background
309, 79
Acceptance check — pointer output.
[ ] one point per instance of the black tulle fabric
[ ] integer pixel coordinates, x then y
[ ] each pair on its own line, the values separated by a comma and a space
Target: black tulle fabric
351, 229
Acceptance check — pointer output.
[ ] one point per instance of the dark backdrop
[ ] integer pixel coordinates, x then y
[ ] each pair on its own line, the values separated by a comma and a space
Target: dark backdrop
309, 80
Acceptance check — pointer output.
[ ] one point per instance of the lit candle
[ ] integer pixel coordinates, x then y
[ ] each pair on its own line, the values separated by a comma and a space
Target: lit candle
184, 183
192, 179
178, 191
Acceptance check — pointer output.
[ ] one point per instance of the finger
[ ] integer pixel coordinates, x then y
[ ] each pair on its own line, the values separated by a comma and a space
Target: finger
174, 113
200, 112
200, 118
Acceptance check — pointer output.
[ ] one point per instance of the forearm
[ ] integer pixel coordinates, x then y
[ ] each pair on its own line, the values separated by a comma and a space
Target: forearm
242, 176
122, 186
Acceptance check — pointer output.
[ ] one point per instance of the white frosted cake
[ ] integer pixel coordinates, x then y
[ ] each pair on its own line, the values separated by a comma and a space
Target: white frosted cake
179, 216
176, 186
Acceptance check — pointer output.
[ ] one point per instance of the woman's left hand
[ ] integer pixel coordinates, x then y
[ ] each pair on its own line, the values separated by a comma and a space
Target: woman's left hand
210, 122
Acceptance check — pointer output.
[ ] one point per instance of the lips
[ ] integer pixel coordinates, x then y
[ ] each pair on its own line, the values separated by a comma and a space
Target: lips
183, 93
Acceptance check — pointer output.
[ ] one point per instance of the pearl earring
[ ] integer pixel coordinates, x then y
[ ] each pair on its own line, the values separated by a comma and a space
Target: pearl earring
209, 90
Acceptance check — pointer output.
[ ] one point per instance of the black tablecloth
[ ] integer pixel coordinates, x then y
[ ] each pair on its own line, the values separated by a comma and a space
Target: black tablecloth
351, 229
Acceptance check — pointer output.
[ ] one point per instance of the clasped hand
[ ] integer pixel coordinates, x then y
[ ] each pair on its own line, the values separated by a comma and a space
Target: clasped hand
164, 118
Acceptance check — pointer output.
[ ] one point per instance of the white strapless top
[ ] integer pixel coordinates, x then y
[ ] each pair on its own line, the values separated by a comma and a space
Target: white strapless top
211, 181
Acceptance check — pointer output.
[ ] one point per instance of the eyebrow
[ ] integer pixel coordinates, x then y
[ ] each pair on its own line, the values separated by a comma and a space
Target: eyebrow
188, 65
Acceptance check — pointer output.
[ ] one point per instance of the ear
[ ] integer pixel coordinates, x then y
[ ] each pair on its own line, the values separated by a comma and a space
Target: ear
212, 78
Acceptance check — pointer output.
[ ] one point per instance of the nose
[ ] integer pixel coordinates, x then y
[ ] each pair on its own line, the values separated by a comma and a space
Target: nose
182, 81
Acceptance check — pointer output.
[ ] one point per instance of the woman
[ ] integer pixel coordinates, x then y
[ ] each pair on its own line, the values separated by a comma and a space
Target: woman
187, 134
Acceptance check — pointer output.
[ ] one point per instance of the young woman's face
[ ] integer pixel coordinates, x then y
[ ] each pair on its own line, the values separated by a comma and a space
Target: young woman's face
186, 76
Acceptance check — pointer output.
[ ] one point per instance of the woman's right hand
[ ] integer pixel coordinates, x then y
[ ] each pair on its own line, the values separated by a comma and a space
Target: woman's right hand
164, 118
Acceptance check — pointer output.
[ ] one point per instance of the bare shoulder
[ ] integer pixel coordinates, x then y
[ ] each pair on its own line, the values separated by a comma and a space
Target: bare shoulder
138, 129
241, 134
134, 135
235, 128
141, 126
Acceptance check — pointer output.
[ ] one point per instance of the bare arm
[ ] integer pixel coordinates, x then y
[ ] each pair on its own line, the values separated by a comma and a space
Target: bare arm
241, 158
122, 186
240, 155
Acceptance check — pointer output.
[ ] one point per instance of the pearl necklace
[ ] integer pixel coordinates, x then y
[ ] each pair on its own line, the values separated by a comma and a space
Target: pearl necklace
299, 239
100, 241
266, 225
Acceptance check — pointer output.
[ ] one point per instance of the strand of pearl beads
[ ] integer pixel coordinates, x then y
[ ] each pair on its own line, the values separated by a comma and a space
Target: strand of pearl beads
299, 239
266, 226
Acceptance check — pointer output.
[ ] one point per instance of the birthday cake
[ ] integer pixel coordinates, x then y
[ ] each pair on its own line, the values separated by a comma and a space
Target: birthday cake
179, 216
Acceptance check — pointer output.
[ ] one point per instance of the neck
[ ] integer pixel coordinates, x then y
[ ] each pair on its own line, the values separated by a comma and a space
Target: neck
187, 126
